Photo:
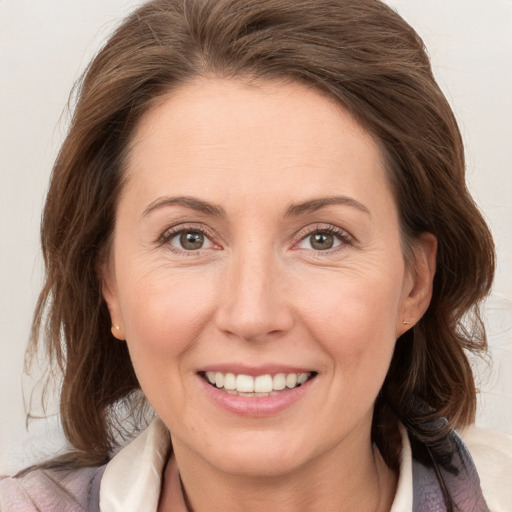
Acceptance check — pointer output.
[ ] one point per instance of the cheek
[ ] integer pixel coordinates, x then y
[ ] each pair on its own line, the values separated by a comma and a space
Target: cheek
355, 327
354, 319
164, 312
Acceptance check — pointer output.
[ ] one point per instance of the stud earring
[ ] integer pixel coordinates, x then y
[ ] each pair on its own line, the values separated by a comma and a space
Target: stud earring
116, 327
406, 323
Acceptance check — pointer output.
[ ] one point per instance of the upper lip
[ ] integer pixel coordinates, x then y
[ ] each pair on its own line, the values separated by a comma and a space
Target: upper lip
254, 371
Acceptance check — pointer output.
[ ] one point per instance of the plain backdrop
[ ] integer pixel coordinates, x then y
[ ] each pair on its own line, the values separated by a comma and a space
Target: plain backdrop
44, 45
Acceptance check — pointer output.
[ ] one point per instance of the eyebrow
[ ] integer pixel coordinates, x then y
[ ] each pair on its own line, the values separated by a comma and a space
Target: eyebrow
316, 204
294, 210
188, 202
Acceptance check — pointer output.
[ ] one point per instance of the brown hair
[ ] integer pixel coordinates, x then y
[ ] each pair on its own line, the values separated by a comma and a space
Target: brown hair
359, 52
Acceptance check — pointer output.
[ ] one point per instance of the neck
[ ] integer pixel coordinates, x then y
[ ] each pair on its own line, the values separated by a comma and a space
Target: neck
343, 480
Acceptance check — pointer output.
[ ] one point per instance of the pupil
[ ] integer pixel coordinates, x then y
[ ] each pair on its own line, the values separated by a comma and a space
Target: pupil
322, 241
191, 240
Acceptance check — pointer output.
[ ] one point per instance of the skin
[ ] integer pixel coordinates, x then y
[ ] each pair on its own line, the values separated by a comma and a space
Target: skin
259, 292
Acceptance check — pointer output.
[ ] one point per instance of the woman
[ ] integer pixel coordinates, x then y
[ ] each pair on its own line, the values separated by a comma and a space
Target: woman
259, 224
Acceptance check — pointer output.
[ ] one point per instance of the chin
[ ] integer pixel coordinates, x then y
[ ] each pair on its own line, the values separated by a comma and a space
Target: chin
263, 456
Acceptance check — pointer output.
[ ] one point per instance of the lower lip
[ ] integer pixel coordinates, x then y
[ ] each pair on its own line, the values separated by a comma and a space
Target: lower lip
258, 406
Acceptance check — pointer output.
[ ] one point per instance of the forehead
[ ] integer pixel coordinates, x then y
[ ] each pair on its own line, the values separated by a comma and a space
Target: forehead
223, 137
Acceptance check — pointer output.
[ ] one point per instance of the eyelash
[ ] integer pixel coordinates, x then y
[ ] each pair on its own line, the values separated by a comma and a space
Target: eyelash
343, 236
168, 235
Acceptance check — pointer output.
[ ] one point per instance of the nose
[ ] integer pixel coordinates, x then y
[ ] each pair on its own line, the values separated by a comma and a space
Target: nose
253, 304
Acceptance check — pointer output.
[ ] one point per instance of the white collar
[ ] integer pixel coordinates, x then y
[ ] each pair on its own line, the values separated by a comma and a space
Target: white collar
132, 479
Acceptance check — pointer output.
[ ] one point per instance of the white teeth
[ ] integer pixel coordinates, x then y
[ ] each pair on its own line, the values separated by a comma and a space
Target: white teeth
279, 381
230, 381
244, 383
303, 377
291, 380
262, 385
219, 379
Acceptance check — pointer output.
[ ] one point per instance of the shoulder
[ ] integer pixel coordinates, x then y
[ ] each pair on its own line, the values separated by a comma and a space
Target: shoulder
491, 452
52, 490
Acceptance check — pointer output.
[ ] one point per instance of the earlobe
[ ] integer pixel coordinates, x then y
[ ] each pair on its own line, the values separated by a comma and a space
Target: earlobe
106, 277
117, 332
422, 274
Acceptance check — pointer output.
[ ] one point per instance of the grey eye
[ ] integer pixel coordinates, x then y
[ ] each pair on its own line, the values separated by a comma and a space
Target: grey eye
320, 241
190, 240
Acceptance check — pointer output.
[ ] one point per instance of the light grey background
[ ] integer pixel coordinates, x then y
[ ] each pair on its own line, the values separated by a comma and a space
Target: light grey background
44, 45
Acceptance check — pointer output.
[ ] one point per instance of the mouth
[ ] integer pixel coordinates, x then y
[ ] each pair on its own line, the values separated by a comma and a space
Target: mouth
256, 386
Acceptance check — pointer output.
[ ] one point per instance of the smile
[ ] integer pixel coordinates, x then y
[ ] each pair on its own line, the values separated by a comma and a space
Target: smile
256, 386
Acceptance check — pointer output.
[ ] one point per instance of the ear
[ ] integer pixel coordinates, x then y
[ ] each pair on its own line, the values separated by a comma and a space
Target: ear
106, 274
419, 285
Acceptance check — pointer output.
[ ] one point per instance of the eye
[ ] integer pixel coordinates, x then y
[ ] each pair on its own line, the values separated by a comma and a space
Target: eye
189, 240
319, 241
324, 239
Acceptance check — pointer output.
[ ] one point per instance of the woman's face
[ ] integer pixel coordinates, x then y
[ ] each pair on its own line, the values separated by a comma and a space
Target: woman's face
257, 239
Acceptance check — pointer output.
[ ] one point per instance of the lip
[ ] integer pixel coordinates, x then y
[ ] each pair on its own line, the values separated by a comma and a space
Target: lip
255, 407
254, 371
